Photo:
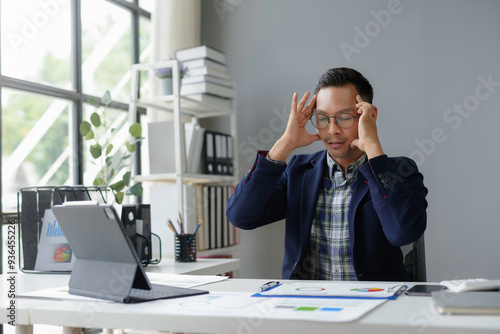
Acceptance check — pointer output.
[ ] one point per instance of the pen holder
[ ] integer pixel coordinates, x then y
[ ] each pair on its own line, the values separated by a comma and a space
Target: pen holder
185, 248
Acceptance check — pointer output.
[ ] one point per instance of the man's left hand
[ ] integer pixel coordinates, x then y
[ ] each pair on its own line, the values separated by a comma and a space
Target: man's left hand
368, 140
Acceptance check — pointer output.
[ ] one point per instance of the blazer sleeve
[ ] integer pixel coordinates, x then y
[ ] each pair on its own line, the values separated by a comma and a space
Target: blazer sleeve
260, 197
398, 195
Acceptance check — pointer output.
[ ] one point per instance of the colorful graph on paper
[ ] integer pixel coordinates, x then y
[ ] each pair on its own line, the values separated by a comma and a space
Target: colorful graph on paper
333, 289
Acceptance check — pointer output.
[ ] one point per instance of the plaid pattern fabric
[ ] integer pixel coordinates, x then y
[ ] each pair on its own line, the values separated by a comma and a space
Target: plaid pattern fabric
330, 240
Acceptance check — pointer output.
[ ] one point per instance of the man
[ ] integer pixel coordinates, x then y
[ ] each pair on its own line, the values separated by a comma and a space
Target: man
349, 208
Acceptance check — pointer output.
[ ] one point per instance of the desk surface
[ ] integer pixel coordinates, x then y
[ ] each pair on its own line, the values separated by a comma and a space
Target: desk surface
403, 315
202, 266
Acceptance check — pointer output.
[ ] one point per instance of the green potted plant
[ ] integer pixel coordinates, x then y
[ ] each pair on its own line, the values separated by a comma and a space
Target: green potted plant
166, 80
108, 160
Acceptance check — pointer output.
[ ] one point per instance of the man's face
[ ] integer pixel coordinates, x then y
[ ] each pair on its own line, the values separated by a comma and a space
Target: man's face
335, 101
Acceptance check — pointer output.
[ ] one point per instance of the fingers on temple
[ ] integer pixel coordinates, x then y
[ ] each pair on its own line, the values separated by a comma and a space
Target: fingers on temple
312, 103
310, 107
303, 100
294, 102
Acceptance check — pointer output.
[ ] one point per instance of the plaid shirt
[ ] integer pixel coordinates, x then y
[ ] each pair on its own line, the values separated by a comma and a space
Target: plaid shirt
330, 241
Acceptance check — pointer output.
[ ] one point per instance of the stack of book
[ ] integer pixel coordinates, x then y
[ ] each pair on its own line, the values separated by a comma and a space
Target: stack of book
207, 79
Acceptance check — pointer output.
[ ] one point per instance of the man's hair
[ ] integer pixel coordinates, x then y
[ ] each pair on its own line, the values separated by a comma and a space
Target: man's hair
343, 76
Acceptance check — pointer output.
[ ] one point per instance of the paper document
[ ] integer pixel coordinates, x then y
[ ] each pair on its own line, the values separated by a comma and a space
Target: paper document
243, 306
322, 309
181, 281
54, 253
328, 289
184, 281
58, 293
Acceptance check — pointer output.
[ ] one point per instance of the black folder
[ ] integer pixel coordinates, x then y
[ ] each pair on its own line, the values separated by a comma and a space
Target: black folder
209, 153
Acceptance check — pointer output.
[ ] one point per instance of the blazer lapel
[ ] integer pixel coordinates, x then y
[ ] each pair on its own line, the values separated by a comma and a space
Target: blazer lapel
312, 183
359, 191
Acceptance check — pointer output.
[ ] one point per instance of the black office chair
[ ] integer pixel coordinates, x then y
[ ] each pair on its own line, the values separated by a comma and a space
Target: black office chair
414, 260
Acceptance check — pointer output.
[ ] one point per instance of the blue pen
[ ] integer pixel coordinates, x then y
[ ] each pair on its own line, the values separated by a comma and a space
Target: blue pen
196, 228
180, 226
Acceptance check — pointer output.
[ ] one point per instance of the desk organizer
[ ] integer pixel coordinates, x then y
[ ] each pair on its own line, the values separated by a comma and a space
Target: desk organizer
31, 205
185, 247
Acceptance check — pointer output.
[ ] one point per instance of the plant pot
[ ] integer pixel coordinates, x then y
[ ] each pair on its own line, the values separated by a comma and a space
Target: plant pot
167, 86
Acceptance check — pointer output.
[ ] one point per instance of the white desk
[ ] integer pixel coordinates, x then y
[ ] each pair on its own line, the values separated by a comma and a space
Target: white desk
403, 315
33, 282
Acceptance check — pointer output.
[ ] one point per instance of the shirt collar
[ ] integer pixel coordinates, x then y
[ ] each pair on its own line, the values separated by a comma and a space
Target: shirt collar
351, 170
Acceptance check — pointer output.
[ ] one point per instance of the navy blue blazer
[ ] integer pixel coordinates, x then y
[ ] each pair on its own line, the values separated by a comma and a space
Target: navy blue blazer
387, 210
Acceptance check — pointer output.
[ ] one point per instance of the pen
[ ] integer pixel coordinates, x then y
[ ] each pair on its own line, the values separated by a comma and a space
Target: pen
181, 223
269, 285
180, 226
196, 228
171, 226
401, 289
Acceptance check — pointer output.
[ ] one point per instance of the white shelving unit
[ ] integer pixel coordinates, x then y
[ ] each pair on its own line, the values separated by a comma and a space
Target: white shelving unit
182, 108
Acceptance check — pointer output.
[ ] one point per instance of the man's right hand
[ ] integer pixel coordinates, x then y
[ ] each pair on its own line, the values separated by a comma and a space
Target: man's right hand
295, 135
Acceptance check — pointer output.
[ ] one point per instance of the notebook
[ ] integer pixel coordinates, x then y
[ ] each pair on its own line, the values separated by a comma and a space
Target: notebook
470, 302
107, 265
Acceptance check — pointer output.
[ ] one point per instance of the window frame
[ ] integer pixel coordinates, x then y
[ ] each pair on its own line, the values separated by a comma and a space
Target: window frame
75, 96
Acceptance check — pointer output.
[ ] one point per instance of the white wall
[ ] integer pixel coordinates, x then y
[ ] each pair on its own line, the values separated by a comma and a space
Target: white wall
424, 60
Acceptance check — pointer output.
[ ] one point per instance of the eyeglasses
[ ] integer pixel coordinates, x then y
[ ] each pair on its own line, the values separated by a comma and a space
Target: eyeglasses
321, 121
